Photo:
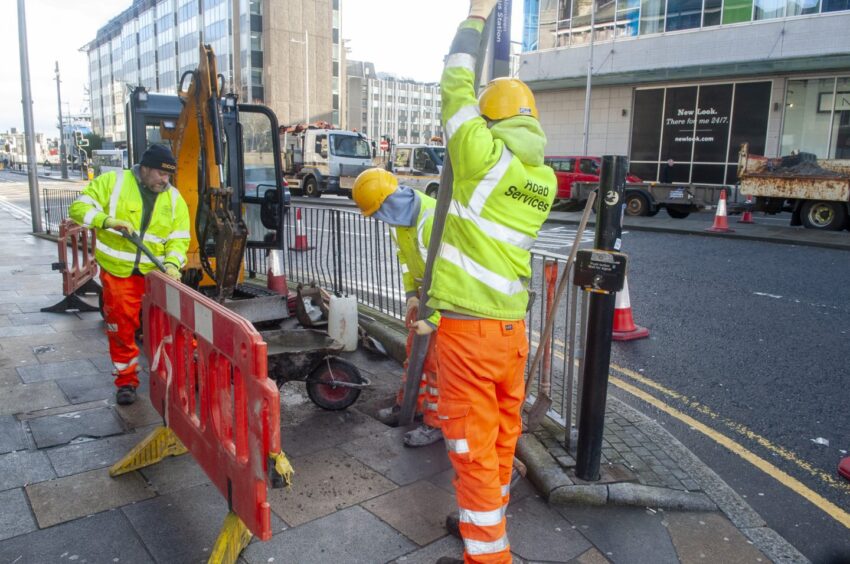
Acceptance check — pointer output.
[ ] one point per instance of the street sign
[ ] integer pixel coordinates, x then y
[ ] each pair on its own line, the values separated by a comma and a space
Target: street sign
600, 270
384, 145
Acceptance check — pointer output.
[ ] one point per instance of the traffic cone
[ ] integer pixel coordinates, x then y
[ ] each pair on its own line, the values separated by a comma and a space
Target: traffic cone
276, 279
747, 216
624, 325
844, 467
300, 236
721, 224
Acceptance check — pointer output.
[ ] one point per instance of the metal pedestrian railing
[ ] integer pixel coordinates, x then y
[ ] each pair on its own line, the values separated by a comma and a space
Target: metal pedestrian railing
344, 252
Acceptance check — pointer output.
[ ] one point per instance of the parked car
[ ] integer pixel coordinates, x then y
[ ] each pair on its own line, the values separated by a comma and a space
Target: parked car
257, 180
577, 169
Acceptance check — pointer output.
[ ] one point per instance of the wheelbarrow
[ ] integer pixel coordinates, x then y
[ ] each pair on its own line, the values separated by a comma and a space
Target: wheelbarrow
308, 355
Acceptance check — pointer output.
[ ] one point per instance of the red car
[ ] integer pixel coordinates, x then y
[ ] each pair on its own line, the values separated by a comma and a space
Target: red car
577, 169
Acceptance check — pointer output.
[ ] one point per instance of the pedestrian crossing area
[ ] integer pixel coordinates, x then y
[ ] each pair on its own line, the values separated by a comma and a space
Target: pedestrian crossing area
560, 239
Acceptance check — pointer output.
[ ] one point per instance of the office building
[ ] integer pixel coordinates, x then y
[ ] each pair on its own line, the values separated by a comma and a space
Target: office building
690, 80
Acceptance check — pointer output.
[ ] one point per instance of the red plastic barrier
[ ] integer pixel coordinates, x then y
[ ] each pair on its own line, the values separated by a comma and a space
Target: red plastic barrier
209, 382
77, 274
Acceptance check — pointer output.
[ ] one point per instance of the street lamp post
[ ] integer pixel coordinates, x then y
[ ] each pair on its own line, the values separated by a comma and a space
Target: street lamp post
589, 77
29, 129
306, 44
63, 163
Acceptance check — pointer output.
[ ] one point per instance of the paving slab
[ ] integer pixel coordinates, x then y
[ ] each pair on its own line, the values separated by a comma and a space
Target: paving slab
446, 546
710, 537
418, 511
624, 534
61, 429
66, 499
11, 435
106, 537
592, 556
325, 482
25, 330
88, 388
16, 517
175, 473
9, 377
24, 467
353, 536
181, 526
538, 533
70, 351
56, 370
387, 454
88, 455
139, 414
307, 428
20, 398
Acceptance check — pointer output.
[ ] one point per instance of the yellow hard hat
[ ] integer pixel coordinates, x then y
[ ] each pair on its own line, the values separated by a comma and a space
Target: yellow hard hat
371, 188
506, 97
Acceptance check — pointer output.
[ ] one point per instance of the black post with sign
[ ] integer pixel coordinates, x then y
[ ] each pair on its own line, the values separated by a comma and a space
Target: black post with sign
603, 278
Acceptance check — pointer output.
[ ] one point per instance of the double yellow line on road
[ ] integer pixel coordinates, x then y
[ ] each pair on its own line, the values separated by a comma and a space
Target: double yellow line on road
736, 448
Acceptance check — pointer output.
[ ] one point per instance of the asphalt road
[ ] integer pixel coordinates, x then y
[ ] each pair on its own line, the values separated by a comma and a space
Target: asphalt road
749, 339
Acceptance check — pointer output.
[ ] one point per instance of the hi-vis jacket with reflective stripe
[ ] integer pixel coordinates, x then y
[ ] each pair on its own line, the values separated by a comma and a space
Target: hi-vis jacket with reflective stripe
413, 244
117, 195
502, 194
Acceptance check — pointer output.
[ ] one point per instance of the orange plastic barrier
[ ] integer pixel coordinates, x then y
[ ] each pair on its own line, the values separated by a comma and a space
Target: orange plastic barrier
209, 382
77, 274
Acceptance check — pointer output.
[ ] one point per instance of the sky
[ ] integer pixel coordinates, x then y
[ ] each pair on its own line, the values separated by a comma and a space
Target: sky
399, 36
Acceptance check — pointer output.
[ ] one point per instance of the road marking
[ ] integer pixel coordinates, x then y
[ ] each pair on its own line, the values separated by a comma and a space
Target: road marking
785, 479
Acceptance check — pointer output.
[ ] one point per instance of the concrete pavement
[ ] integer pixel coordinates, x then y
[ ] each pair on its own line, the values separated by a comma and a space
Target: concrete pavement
358, 496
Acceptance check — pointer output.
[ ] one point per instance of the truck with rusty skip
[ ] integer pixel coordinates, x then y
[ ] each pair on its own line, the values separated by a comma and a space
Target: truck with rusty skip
815, 191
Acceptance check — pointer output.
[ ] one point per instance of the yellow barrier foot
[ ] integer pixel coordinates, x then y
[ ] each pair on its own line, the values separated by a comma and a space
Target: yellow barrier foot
231, 541
160, 443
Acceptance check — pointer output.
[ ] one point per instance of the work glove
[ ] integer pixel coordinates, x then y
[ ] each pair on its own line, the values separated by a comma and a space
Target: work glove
119, 225
481, 8
422, 328
173, 272
412, 302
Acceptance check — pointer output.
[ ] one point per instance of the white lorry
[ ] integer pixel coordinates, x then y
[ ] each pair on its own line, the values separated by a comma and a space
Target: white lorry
418, 166
321, 160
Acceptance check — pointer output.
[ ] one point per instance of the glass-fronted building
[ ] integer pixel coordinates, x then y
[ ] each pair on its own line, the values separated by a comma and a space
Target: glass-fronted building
691, 80
382, 105
153, 42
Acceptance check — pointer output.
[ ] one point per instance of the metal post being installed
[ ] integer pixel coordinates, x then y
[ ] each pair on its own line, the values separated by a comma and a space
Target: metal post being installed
609, 226
63, 161
29, 128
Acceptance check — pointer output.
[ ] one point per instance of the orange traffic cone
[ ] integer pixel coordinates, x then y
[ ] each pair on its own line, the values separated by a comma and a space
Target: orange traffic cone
276, 279
721, 224
747, 216
300, 236
624, 325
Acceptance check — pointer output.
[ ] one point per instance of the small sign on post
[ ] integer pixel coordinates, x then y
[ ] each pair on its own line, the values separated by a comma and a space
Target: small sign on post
384, 145
600, 271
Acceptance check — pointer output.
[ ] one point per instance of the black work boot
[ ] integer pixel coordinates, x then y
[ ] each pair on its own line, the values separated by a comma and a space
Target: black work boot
453, 524
125, 395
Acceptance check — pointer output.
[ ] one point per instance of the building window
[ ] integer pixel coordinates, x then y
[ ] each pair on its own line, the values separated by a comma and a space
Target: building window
685, 14
735, 11
814, 123
652, 16
769, 9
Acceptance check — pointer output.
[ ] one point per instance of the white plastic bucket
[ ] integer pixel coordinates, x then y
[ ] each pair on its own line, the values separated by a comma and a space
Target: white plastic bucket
342, 321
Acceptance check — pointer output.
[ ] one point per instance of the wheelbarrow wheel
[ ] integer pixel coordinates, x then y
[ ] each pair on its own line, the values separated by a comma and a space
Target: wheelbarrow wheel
321, 388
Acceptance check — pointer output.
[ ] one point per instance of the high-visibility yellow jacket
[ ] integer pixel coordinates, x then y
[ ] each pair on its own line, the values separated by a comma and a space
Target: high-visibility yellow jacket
502, 194
117, 195
413, 245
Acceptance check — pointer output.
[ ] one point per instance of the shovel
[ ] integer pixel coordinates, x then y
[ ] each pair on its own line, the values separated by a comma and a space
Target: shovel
543, 402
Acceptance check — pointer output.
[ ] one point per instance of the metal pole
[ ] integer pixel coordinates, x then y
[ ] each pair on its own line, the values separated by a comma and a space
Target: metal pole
609, 227
29, 129
62, 160
589, 77
307, 74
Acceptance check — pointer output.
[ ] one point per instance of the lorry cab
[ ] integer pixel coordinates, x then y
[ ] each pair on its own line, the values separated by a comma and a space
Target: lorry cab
418, 166
577, 169
324, 160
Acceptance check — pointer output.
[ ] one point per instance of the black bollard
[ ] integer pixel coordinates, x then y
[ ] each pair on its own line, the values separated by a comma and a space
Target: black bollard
609, 228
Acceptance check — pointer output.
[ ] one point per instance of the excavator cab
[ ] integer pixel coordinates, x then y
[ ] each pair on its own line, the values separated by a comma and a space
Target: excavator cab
228, 171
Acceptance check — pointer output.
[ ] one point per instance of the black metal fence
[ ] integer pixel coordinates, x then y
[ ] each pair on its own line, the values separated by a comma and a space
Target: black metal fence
55, 203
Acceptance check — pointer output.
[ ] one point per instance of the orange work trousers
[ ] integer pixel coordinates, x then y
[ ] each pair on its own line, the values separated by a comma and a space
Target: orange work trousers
122, 302
482, 367
426, 402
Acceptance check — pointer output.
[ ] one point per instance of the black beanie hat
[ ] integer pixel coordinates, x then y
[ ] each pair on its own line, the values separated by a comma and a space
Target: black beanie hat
160, 157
